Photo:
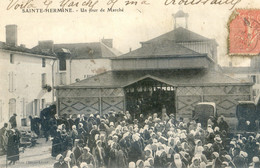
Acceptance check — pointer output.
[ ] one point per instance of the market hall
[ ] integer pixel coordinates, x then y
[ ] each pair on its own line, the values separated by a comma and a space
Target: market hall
175, 70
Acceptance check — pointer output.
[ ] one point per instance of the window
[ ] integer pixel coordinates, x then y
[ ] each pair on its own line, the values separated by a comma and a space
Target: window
12, 106
36, 106
44, 80
23, 105
63, 78
43, 62
253, 78
62, 63
11, 82
11, 58
43, 103
1, 113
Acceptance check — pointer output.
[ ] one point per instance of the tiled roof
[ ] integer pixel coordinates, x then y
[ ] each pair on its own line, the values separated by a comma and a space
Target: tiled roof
179, 34
162, 48
84, 50
5, 46
115, 79
240, 70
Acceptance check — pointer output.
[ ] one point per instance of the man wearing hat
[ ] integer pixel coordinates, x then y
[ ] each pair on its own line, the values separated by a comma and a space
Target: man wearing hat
78, 149
217, 145
12, 121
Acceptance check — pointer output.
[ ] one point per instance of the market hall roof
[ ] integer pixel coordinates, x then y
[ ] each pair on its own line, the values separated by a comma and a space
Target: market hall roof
161, 48
179, 35
179, 49
113, 79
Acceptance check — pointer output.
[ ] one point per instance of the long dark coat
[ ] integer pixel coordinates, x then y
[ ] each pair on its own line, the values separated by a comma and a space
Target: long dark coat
56, 144
135, 152
3, 139
13, 147
13, 122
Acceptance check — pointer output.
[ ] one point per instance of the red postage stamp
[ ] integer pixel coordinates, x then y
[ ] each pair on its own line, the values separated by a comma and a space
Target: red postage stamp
244, 32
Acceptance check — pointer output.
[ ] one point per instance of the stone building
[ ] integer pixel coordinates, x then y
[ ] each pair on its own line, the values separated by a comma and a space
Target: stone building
27, 79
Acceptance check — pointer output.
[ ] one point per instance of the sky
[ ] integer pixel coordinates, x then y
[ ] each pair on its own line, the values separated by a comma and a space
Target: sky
127, 29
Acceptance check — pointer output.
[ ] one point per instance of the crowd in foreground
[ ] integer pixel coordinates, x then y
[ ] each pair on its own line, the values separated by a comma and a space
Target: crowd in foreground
116, 140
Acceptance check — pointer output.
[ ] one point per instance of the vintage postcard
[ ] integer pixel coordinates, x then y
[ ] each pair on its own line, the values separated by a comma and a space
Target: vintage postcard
129, 83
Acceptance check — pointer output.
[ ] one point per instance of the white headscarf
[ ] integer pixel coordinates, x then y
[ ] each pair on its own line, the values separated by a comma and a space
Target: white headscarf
177, 160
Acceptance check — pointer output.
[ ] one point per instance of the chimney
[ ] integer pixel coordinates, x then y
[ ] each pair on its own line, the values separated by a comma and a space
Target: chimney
108, 42
46, 46
11, 35
22, 45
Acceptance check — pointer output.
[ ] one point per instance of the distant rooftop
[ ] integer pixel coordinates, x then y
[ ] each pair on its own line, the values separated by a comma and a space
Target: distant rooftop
81, 50
240, 70
22, 49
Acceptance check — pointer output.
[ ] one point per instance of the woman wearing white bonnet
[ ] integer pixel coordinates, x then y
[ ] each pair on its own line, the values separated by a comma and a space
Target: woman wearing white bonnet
131, 165
255, 162
139, 164
71, 156
147, 164
67, 160
177, 162
196, 163
148, 153
83, 165
199, 154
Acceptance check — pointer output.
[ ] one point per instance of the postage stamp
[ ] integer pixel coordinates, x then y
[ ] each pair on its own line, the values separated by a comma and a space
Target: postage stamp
244, 32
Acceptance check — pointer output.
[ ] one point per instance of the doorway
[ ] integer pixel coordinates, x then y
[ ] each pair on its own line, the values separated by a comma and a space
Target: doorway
148, 96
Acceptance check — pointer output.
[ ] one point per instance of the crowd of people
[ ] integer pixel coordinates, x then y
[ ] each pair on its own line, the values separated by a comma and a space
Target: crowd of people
116, 140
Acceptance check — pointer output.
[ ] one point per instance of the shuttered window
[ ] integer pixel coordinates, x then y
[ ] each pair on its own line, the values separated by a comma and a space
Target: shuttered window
44, 79
62, 63
12, 58
36, 104
63, 78
12, 107
43, 103
11, 76
43, 62
1, 113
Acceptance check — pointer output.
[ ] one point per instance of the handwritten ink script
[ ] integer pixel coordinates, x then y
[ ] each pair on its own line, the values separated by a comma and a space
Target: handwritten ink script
233, 3
244, 32
74, 5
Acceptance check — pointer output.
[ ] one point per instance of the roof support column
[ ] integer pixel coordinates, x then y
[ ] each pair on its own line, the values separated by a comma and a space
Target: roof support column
100, 103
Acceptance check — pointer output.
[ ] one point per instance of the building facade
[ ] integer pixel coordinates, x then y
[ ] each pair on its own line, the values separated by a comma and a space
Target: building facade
78, 61
27, 79
250, 72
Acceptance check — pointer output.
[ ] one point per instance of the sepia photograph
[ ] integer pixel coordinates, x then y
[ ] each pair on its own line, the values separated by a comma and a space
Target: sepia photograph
130, 84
